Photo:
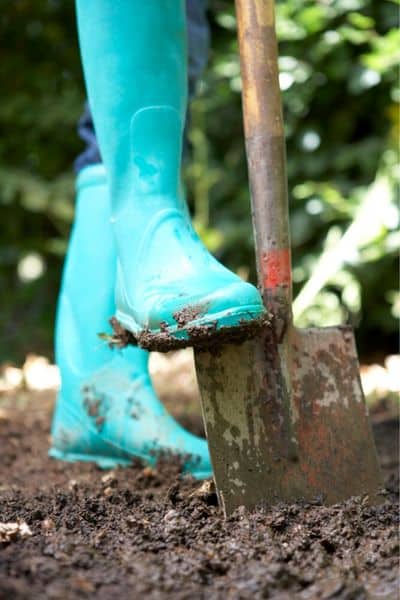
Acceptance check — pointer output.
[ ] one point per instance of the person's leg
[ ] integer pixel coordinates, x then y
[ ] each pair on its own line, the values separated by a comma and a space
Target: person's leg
90, 155
134, 58
107, 410
79, 431
198, 40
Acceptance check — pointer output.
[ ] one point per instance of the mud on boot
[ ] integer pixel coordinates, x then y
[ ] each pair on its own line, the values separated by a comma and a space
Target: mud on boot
107, 410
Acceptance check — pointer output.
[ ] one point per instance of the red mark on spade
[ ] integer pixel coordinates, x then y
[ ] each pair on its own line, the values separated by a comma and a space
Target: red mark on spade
275, 268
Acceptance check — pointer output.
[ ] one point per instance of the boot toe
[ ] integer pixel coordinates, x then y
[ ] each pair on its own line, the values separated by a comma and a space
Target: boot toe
228, 305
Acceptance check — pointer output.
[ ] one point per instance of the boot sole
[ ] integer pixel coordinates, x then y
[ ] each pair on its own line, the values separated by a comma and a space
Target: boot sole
225, 327
107, 462
116, 456
104, 462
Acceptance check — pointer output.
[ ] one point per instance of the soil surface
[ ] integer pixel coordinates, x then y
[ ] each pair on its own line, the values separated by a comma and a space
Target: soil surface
142, 533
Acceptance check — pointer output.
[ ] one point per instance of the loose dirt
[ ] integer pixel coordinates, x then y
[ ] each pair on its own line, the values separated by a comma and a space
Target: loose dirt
142, 533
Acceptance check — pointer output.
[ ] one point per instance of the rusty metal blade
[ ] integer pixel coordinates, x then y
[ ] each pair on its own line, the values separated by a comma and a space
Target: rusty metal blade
287, 421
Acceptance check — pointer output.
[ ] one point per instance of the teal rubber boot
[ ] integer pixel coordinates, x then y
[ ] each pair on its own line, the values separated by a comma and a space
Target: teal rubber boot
170, 290
107, 411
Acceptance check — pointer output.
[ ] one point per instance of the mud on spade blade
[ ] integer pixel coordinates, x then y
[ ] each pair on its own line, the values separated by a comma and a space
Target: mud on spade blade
279, 434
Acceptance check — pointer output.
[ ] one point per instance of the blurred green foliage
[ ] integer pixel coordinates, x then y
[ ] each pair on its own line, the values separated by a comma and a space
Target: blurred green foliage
340, 91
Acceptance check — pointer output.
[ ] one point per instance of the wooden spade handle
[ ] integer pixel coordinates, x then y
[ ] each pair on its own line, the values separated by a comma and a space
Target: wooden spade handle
265, 149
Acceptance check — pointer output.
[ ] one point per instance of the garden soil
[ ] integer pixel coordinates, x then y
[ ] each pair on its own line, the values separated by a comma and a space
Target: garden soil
147, 533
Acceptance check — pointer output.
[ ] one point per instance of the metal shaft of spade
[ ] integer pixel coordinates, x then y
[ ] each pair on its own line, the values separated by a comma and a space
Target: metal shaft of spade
266, 155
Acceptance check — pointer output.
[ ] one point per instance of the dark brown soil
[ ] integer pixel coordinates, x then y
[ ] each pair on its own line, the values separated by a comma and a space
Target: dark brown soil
203, 337
139, 533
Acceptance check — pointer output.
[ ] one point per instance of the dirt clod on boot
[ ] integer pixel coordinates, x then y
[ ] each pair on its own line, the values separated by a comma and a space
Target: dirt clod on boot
203, 337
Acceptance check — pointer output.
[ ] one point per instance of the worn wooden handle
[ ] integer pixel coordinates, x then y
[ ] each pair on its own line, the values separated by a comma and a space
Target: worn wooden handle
265, 148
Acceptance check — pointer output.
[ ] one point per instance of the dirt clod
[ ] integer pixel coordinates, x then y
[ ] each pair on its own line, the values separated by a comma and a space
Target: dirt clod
190, 313
12, 531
